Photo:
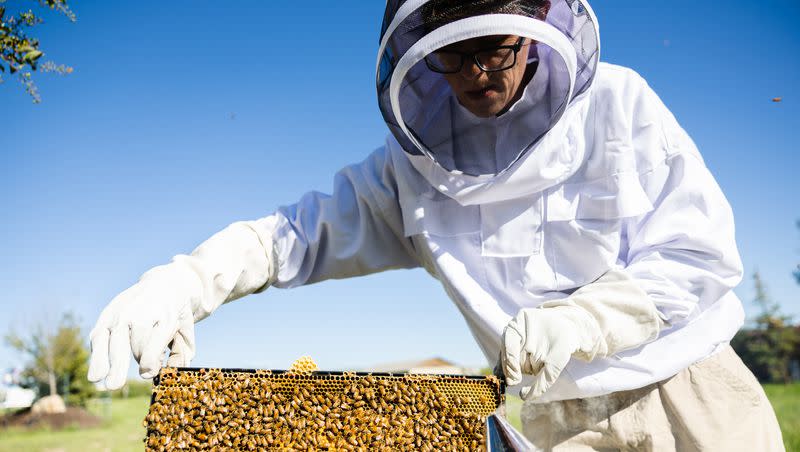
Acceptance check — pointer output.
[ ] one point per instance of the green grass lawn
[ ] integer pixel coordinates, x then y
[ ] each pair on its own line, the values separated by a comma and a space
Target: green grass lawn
513, 405
786, 401
123, 429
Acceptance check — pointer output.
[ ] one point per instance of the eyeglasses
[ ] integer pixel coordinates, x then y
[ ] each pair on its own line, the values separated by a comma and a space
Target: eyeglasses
491, 59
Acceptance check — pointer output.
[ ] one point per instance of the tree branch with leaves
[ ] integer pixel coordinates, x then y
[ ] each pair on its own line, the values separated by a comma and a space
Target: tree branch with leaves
20, 53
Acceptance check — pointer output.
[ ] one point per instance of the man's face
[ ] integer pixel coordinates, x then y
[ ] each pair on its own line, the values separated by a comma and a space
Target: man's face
487, 94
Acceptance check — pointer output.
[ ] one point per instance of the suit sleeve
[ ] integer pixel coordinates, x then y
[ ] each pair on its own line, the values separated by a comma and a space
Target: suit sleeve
683, 253
358, 230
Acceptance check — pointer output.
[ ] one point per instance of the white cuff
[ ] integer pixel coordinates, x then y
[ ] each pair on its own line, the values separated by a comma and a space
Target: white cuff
620, 311
237, 261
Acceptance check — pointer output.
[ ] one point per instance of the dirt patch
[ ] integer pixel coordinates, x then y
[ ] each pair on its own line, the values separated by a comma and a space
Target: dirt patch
74, 417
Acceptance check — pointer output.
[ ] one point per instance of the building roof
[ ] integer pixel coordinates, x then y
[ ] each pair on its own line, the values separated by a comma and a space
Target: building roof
429, 365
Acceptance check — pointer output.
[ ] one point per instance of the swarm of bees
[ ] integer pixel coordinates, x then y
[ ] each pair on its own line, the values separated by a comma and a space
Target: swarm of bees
204, 409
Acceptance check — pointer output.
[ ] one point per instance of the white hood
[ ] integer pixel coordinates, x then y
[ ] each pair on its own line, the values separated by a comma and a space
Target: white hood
476, 160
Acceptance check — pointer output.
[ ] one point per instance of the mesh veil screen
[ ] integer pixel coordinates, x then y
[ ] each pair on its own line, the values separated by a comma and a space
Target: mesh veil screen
431, 111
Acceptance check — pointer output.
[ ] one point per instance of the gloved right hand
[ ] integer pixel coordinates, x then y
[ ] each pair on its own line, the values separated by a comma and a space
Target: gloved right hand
160, 310
600, 319
540, 342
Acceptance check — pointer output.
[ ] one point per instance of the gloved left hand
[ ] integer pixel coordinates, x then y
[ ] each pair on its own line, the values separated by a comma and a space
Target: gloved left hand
599, 319
160, 310
153, 314
542, 341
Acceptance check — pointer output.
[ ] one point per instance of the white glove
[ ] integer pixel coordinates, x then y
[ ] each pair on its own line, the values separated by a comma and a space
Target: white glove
542, 341
602, 318
160, 310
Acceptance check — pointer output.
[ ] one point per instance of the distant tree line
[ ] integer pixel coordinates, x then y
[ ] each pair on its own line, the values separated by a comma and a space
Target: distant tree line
771, 346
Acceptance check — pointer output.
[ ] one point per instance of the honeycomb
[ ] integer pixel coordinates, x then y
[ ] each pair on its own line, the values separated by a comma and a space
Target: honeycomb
303, 365
302, 409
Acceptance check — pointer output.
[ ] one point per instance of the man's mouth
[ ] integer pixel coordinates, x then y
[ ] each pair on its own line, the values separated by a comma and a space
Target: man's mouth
482, 93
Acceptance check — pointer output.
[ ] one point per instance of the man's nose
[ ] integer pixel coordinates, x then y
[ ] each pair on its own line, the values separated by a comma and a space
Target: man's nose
470, 70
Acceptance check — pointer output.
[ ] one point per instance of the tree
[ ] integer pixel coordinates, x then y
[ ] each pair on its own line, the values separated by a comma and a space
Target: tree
58, 359
769, 347
19, 53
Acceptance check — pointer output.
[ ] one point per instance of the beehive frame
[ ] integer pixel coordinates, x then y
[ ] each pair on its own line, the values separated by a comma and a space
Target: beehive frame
246, 409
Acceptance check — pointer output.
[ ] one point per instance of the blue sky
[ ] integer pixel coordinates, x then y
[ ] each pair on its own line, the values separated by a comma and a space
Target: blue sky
182, 117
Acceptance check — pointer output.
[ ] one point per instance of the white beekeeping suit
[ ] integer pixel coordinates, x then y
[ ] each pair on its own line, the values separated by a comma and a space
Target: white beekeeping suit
583, 212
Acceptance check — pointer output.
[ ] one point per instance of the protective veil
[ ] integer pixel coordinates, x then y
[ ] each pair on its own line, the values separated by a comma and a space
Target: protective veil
472, 159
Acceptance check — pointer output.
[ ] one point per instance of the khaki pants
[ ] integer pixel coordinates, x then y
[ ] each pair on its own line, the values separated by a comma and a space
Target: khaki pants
713, 405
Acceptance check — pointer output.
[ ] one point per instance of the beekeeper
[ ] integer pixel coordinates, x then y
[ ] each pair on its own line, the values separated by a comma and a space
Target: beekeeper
566, 213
